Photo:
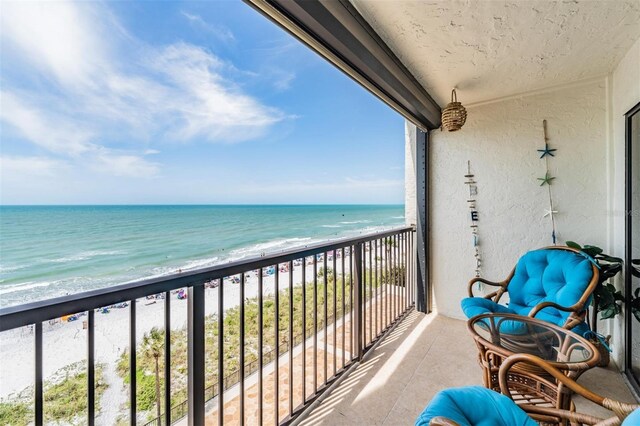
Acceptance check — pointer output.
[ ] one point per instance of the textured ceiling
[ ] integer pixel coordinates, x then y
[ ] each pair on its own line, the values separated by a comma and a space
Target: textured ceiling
491, 49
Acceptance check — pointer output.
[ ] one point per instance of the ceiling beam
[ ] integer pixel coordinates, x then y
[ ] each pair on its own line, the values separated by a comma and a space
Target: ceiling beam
335, 30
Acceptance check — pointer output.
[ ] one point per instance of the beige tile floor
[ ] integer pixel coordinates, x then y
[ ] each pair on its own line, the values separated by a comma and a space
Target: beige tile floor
423, 355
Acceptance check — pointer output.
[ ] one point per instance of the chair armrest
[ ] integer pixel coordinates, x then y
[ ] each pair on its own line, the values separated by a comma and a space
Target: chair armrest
540, 306
442, 421
620, 409
502, 284
573, 320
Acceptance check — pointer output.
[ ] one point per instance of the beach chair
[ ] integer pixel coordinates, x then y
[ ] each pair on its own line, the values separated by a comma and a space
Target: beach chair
553, 284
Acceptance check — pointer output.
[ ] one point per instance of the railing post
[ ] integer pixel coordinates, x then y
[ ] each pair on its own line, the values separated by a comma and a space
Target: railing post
358, 283
195, 324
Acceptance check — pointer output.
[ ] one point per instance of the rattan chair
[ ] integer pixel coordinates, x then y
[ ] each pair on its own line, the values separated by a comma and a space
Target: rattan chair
555, 416
553, 284
475, 405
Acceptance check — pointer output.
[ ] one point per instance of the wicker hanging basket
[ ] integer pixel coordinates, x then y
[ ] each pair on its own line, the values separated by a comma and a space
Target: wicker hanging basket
454, 114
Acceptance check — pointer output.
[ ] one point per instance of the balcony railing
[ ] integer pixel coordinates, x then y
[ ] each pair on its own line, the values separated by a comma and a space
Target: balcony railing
303, 334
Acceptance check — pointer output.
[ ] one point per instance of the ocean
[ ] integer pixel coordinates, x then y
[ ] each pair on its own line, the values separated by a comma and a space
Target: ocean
49, 251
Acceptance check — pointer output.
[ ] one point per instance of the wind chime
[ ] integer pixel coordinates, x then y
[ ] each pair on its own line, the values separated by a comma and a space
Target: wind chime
473, 213
547, 180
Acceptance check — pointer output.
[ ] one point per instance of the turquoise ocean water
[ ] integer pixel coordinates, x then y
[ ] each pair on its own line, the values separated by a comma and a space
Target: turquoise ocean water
48, 251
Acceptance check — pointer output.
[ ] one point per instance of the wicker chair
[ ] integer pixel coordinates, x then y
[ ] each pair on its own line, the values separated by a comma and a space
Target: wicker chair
553, 284
620, 412
475, 405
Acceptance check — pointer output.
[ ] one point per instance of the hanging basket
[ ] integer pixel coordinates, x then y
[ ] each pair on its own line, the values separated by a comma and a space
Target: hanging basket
454, 115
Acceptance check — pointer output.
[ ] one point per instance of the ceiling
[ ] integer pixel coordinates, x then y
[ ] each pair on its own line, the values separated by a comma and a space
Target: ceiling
492, 49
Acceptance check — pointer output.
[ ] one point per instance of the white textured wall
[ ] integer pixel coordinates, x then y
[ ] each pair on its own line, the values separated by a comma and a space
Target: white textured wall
501, 139
624, 93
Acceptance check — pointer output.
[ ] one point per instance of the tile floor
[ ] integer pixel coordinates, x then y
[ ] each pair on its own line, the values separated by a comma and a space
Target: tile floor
423, 355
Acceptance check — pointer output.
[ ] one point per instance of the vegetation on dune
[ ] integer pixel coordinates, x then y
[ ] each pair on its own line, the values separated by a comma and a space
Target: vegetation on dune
65, 398
65, 393
15, 413
150, 382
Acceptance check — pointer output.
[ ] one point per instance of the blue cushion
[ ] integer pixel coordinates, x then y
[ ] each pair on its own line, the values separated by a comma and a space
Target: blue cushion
546, 275
474, 406
549, 275
632, 419
581, 329
473, 306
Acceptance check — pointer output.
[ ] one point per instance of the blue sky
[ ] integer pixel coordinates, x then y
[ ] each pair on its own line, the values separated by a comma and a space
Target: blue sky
182, 102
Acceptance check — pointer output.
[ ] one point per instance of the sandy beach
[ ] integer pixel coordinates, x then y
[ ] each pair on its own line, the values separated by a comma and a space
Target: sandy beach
66, 342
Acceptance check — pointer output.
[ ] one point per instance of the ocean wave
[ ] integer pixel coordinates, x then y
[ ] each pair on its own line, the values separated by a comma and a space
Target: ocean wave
4, 269
397, 217
355, 221
200, 263
270, 246
24, 286
85, 255
332, 226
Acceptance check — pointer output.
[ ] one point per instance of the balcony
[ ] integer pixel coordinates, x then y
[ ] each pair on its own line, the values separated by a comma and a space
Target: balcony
367, 330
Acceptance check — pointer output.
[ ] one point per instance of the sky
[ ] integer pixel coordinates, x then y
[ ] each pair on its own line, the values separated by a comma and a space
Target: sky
182, 103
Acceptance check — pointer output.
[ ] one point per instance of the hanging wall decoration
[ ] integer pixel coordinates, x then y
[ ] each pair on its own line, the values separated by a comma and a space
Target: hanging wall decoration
454, 115
473, 215
547, 180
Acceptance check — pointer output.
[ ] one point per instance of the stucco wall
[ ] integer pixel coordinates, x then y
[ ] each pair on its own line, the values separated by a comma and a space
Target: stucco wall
624, 93
500, 139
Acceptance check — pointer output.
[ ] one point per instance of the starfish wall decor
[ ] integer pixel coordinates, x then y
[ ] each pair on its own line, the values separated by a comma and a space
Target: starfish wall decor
547, 180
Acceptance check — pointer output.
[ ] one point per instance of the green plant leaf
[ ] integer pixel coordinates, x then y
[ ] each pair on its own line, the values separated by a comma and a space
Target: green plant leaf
611, 259
592, 250
636, 314
573, 245
608, 313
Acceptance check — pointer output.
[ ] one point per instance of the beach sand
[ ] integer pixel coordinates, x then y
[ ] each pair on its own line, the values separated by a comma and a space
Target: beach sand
66, 342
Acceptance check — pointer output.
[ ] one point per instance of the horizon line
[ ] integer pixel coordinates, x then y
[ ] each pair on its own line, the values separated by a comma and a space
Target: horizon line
201, 204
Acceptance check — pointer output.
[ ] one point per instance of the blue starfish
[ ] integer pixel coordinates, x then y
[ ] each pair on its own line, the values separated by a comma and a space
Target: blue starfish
547, 151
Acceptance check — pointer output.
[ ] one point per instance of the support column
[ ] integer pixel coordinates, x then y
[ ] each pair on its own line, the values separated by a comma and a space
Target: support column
416, 208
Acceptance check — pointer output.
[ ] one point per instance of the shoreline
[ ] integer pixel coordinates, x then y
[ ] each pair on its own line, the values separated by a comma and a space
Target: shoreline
66, 342
57, 286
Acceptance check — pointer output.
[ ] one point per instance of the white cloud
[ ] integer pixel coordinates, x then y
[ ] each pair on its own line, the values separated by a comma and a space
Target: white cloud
220, 32
54, 35
204, 102
103, 85
44, 128
125, 165
30, 166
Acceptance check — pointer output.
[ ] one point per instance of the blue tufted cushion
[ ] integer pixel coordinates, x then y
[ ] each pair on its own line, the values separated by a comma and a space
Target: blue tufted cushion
632, 419
474, 406
546, 275
473, 306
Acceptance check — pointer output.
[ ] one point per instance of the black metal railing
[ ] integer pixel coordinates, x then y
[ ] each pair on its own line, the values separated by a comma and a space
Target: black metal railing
373, 274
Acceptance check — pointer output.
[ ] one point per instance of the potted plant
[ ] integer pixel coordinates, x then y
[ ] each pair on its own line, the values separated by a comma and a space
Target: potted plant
606, 298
